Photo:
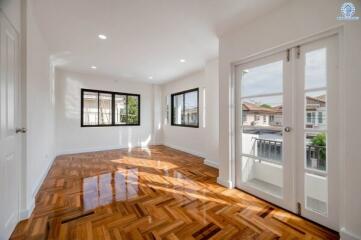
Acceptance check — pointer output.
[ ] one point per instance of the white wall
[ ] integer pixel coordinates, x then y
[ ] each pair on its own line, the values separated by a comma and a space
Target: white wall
295, 20
71, 138
40, 150
202, 141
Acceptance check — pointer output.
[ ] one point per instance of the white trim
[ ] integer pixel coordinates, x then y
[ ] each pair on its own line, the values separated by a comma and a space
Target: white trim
97, 149
183, 149
211, 163
42, 178
90, 149
283, 47
346, 235
114, 147
26, 213
228, 184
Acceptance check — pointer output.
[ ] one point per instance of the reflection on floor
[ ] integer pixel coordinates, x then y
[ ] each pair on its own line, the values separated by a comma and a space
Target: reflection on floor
156, 193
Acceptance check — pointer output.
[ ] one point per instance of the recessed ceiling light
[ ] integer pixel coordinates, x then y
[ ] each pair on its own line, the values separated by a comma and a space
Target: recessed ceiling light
150, 77
102, 36
182, 60
93, 67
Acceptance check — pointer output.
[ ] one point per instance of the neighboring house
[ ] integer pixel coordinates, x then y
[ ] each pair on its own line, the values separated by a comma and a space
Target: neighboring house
267, 116
316, 112
256, 115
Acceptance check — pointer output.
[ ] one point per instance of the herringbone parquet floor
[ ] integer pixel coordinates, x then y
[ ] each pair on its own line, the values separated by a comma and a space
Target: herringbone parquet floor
159, 193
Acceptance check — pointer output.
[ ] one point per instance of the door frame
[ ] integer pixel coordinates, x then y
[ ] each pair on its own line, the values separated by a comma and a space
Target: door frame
333, 31
287, 87
20, 113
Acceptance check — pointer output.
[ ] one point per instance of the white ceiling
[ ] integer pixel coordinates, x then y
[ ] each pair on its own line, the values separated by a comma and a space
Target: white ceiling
145, 37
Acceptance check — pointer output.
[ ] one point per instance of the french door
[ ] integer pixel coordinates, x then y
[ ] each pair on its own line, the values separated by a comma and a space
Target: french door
287, 129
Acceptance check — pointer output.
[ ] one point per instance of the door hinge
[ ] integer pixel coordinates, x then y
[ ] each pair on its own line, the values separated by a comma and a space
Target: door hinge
298, 51
299, 208
288, 54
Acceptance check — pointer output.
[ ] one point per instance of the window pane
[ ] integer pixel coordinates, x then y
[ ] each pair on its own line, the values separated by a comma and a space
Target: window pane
316, 193
178, 117
262, 79
262, 127
133, 113
105, 109
316, 151
120, 109
316, 110
315, 69
90, 108
191, 108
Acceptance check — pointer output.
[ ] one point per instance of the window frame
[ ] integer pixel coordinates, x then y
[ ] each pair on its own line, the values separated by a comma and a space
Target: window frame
113, 124
172, 108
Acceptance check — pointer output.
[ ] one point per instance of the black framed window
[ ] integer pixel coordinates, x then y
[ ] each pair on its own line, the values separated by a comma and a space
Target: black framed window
185, 108
103, 108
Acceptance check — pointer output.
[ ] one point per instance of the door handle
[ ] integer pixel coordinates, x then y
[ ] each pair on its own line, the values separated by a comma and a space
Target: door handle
20, 130
288, 129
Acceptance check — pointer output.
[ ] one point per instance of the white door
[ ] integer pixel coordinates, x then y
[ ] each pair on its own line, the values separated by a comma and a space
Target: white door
317, 131
9, 139
263, 110
287, 129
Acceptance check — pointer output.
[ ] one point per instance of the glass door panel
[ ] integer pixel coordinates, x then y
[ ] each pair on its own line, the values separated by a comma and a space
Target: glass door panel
316, 77
260, 123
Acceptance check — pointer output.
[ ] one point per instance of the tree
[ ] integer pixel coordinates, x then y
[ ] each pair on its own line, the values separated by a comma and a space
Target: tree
132, 110
266, 105
320, 141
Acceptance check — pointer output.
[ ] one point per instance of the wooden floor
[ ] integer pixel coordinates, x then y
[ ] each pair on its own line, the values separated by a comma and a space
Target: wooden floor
158, 193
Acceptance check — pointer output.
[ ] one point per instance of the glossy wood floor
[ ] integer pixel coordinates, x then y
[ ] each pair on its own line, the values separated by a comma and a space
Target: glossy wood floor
158, 193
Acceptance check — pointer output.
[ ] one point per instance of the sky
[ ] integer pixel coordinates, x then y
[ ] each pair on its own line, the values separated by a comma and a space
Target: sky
267, 79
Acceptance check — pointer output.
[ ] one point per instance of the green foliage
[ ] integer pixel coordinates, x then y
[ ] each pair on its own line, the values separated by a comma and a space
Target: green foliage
320, 141
132, 110
266, 105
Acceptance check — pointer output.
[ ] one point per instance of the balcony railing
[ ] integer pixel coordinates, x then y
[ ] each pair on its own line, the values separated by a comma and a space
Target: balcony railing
269, 149
272, 150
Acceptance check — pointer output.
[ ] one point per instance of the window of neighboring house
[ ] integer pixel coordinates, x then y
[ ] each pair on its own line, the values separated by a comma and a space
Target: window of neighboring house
102, 108
244, 116
264, 119
311, 117
256, 117
320, 117
271, 118
185, 108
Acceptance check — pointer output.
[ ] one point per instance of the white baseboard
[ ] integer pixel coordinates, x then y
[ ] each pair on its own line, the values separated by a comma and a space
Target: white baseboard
88, 149
346, 235
26, 213
211, 163
183, 149
225, 183
42, 178
95, 149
